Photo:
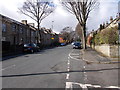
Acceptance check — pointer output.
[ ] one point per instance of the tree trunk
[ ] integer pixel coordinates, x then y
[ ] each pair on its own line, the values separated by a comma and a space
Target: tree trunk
39, 33
38, 22
84, 36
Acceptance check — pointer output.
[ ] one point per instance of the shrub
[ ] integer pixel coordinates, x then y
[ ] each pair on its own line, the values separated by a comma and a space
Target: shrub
106, 36
97, 39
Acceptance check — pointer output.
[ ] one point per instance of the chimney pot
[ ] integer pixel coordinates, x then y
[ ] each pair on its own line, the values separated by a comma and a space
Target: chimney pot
111, 19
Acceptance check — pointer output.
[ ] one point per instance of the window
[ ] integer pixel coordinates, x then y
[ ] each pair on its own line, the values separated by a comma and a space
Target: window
32, 33
13, 27
27, 32
21, 30
4, 27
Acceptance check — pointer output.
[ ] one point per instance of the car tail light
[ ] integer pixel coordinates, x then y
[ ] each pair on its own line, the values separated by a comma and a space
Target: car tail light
30, 47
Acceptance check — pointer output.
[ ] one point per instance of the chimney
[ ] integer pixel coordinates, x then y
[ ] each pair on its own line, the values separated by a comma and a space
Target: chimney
111, 19
107, 23
24, 22
103, 25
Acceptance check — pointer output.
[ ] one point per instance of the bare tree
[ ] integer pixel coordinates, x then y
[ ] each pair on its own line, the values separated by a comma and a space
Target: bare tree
66, 33
37, 10
78, 30
81, 9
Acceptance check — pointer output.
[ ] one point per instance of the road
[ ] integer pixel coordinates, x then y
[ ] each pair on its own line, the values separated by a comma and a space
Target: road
59, 67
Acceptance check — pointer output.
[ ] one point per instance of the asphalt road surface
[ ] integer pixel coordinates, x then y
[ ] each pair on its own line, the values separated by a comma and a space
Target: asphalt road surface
59, 67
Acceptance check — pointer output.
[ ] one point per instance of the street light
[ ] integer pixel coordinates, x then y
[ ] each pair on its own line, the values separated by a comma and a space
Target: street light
52, 24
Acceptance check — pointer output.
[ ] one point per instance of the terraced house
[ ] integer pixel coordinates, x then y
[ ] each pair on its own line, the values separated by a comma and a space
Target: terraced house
15, 34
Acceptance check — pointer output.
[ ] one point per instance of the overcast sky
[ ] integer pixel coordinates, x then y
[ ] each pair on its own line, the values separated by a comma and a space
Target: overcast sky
61, 17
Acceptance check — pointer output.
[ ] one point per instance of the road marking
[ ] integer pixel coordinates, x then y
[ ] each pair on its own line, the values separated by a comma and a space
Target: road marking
71, 53
68, 57
85, 86
83, 66
75, 54
68, 85
113, 87
68, 75
68, 69
68, 61
90, 85
8, 67
73, 57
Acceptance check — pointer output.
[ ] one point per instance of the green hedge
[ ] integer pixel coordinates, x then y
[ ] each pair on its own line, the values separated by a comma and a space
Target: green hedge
106, 36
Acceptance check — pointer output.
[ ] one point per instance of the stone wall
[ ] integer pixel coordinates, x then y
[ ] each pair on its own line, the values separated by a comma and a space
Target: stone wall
108, 50
114, 51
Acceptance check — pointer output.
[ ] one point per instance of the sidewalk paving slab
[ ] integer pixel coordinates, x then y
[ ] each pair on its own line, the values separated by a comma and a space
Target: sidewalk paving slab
90, 55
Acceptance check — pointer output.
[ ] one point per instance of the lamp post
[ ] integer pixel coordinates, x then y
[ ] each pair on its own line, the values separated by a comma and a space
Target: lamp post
52, 24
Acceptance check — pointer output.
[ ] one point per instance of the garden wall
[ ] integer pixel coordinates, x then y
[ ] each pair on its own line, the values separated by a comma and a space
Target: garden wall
108, 50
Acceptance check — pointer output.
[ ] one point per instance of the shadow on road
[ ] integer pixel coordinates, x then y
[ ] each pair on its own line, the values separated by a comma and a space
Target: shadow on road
61, 72
25, 53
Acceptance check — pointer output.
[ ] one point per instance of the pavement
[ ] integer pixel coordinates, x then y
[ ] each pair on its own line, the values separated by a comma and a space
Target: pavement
106, 69
92, 56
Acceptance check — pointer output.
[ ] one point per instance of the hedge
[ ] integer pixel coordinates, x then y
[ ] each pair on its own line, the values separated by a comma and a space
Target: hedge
106, 36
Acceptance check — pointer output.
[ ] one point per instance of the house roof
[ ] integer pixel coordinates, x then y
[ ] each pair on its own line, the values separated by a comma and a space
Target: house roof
116, 20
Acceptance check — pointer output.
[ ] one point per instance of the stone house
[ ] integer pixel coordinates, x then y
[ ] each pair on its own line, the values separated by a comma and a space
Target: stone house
48, 38
15, 33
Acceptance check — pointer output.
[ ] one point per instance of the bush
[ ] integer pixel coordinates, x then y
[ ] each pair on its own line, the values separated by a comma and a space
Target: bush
106, 36
97, 39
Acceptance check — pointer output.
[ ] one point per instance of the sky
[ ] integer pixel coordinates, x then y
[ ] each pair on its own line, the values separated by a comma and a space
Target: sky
61, 17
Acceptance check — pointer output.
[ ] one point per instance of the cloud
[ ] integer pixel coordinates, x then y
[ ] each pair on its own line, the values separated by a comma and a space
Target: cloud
61, 17
106, 9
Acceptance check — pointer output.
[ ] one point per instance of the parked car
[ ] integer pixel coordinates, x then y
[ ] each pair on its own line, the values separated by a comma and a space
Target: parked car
63, 44
72, 43
77, 45
31, 47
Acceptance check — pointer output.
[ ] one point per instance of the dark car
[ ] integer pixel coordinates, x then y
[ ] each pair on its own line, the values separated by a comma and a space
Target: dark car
77, 45
31, 47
